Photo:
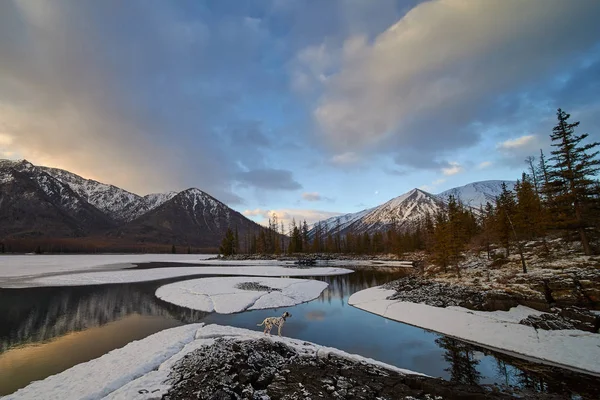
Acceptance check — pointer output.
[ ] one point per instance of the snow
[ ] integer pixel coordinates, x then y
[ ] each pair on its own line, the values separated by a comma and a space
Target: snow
140, 369
222, 295
115, 275
97, 378
72, 270
154, 200
477, 194
573, 349
31, 265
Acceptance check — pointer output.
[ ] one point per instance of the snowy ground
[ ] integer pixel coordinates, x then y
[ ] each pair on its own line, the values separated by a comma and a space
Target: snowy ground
140, 369
154, 274
223, 295
499, 330
22, 266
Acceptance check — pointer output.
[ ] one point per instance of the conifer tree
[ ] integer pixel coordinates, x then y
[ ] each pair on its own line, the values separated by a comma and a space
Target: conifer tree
227, 247
570, 177
305, 239
505, 210
528, 221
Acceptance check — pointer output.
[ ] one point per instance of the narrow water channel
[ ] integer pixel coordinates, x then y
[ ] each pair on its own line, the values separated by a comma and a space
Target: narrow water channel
44, 331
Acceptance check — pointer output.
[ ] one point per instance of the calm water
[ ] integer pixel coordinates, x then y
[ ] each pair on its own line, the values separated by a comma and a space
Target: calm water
44, 331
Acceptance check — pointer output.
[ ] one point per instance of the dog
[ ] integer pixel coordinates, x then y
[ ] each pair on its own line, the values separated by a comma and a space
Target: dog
270, 322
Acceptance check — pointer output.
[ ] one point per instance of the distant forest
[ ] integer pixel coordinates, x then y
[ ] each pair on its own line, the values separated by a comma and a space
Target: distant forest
558, 194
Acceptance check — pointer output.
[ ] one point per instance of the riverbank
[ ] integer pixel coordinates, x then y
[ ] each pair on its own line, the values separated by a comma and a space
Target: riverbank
222, 362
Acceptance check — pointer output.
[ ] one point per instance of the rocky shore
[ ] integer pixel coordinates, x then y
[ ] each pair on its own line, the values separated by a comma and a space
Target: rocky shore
564, 300
263, 369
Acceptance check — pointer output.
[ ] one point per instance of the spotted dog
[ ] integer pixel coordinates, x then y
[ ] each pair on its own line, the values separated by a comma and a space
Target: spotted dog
270, 322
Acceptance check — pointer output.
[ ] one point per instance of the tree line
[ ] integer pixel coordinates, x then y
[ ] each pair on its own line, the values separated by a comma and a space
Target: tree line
555, 194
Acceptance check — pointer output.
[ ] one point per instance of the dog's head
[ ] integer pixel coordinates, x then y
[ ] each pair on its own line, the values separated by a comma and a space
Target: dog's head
286, 315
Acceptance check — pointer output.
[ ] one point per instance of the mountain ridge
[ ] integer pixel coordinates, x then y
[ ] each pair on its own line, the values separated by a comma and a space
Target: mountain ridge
39, 202
404, 211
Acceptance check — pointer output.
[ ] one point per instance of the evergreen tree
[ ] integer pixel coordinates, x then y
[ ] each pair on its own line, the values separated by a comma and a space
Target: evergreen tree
570, 177
529, 221
305, 239
441, 240
236, 243
228, 243
505, 211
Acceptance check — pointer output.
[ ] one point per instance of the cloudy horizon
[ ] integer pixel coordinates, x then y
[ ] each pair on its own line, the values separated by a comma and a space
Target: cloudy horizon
306, 108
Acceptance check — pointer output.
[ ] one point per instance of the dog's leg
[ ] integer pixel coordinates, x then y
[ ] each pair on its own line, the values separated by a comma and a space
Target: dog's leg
279, 330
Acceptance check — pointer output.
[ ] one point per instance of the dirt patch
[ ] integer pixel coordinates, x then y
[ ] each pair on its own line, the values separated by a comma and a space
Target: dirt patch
254, 286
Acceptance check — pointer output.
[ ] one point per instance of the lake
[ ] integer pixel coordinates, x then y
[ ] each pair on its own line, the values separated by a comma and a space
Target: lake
44, 331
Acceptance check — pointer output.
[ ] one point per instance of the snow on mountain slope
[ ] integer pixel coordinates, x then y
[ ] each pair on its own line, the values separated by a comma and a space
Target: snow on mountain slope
477, 193
154, 200
331, 224
412, 206
401, 211
118, 203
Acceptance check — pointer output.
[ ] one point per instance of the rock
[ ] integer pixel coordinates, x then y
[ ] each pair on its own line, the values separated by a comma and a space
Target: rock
262, 369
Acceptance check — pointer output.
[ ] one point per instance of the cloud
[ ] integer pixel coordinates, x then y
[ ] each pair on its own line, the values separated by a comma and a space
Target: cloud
453, 168
269, 178
144, 106
430, 81
513, 152
518, 143
345, 159
484, 164
288, 214
433, 185
311, 196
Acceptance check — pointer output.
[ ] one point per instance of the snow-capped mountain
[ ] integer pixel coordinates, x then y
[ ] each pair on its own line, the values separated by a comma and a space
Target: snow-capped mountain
42, 202
119, 204
184, 216
34, 203
476, 194
154, 200
342, 222
401, 212
405, 210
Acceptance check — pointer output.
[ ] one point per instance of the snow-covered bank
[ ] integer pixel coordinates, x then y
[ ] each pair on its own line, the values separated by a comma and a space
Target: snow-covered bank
573, 349
143, 275
140, 370
21, 266
226, 295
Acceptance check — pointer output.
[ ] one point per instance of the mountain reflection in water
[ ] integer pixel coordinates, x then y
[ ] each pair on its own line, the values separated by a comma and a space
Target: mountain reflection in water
44, 331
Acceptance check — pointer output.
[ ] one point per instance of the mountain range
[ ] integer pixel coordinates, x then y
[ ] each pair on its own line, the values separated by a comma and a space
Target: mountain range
407, 209
40, 202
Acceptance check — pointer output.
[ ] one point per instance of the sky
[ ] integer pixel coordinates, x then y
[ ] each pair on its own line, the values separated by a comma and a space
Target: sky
305, 108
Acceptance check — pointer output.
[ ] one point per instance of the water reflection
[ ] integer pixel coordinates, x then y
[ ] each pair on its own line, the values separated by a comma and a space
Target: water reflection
37, 315
46, 330
461, 357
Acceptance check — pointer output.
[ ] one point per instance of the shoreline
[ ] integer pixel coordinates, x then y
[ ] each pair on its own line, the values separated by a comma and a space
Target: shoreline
206, 360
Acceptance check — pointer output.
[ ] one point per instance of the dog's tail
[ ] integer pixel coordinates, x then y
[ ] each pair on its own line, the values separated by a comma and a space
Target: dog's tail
261, 324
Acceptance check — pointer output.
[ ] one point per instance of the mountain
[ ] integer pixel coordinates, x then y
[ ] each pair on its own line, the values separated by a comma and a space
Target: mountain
401, 211
191, 217
407, 209
50, 203
477, 194
34, 203
117, 203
